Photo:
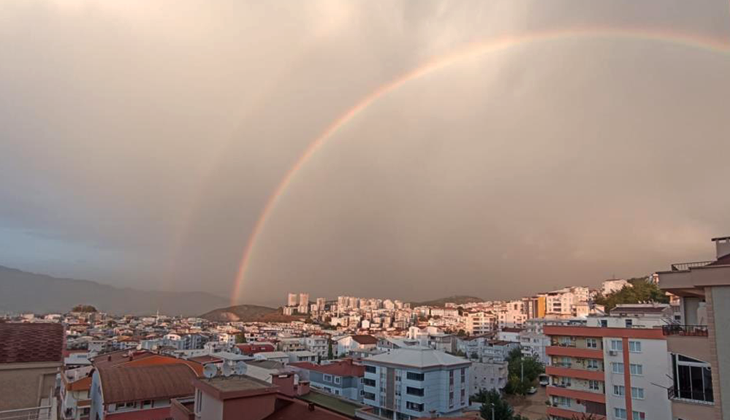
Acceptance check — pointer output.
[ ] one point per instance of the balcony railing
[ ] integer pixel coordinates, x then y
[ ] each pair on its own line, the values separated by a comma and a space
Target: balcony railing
686, 330
701, 398
35, 413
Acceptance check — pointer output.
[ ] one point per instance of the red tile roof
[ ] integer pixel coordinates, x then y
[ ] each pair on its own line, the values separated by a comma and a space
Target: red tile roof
123, 384
343, 368
29, 343
300, 410
365, 339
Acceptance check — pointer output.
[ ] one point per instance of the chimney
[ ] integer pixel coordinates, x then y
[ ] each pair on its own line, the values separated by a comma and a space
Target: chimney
285, 382
722, 245
303, 388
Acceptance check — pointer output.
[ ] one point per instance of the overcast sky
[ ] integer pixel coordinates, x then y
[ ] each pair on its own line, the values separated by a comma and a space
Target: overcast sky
140, 140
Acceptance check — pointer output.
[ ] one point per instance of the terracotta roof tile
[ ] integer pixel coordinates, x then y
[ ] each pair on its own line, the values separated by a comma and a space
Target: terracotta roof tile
123, 384
365, 339
28, 343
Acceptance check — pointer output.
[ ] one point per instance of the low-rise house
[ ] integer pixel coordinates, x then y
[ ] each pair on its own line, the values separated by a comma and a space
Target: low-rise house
302, 356
355, 343
250, 349
276, 356
343, 378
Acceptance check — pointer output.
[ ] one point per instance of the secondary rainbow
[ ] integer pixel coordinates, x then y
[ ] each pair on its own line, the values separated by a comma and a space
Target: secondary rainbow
470, 51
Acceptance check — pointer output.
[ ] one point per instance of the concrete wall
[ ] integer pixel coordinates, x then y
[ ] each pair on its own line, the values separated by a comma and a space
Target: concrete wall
720, 320
23, 385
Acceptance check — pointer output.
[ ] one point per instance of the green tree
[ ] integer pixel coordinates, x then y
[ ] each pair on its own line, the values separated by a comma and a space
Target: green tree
492, 402
240, 338
330, 353
461, 333
522, 372
84, 308
641, 290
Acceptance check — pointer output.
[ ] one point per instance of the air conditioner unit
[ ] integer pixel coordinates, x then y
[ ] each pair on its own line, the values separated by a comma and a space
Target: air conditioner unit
613, 353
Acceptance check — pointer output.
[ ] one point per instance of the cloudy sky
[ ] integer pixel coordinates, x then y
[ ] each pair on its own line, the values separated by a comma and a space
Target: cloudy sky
140, 141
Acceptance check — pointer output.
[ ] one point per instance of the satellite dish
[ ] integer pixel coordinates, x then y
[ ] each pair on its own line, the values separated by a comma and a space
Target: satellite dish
241, 368
227, 370
210, 371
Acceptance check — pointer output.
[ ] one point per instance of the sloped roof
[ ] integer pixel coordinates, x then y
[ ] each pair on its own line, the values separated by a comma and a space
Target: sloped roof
365, 339
31, 343
123, 384
343, 368
418, 357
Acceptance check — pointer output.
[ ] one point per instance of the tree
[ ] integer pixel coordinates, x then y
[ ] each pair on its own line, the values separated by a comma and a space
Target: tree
522, 372
240, 338
461, 333
641, 290
330, 353
493, 399
84, 308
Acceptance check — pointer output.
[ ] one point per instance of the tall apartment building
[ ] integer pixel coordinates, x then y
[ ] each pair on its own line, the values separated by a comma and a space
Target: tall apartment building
614, 368
477, 323
512, 314
699, 344
416, 382
291, 299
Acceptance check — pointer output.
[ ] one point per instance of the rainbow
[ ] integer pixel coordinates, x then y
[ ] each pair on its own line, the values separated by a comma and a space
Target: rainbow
470, 51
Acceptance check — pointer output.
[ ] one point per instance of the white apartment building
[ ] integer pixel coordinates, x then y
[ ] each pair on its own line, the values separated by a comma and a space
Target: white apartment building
416, 382
477, 323
291, 299
512, 314
611, 286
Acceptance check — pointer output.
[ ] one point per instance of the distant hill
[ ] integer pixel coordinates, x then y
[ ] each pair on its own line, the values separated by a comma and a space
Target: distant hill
21, 291
459, 300
248, 313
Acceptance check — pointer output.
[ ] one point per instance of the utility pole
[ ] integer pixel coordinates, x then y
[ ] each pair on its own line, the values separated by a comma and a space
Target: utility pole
492, 411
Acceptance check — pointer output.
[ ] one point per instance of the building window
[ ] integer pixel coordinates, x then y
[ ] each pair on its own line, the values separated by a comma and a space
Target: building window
692, 379
636, 370
463, 375
327, 378
592, 343
368, 382
147, 404
619, 413
617, 367
451, 399
561, 401
338, 380
629, 323
368, 396
604, 323
414, 391
414, 406
619, 390
592, 364
369, 369
451, 377
413, 376
616, 345
639, 415
594, 386
635, 346
637, 393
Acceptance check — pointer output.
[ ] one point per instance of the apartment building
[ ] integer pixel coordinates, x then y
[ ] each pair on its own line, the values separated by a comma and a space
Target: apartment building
342, 378
699, 342
478, 323
416, 382
615, 367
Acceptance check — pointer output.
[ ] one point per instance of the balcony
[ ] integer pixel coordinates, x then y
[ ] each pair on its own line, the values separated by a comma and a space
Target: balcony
35, 413
688, 340
685, 330
597, 397
595, 375
685, 408
574, 352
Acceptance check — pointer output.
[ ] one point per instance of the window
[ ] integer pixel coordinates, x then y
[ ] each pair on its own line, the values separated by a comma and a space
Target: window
591, 364
413, 376
594, 386
368, 396
616, 345
629, 323
692, 379
414, 391
463, 375
639, 415
604, 323
463, 396
414, 406
337, 392
338, 379
637, 393
617, 367
619, 390
561, 401
368, 382
451, 377
619, 413
369, 369
591, 343
327, 378
636, 370
634, 346
451, 399
147, 404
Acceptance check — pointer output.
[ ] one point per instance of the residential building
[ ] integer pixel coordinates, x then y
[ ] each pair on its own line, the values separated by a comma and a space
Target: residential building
416, 382
75, 393
302, 356
355, 343
291, 299
31, 355
317, 344
614, 367
699, 342
343, 377
613, 286
478, 323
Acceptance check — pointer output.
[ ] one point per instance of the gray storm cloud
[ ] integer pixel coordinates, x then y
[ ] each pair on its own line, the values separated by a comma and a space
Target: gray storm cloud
139, 142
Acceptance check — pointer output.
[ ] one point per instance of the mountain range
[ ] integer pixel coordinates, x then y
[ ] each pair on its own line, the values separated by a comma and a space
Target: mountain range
21, 291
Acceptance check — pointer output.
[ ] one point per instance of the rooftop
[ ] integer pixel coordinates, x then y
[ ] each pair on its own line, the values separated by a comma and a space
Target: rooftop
31, 343
237, 383
340, 368
418, 357
331, 402
365, 339
123, 384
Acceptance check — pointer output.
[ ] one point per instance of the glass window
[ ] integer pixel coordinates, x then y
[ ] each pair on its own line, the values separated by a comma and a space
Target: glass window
616, 345
327, 378
414, 391
414, 406
592, 343
413, 376
692, 379
635, 346
619, 390
619, 413
592, 364
594, 386
639, 415
636, 370
617, 367
338, 380
368, 396
637, 393
604, 323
